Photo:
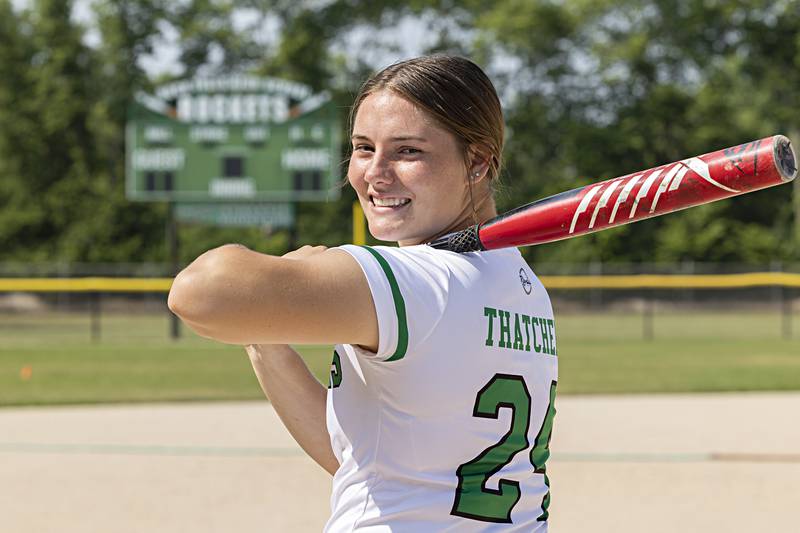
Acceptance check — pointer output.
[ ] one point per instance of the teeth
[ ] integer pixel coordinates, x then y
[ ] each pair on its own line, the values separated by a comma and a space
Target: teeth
389, 202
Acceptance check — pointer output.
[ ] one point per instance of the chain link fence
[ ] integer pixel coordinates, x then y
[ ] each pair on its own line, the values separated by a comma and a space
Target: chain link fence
590, 312
700, 310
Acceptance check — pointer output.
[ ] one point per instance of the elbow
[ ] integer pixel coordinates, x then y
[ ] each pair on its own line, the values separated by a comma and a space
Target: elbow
196, 291
186, 298
182, 293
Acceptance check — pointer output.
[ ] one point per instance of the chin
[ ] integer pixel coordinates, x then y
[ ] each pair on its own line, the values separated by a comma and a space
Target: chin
393, 234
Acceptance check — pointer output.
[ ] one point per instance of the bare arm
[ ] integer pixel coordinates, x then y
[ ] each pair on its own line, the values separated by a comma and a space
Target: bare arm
234, 295
312, 295
298, 398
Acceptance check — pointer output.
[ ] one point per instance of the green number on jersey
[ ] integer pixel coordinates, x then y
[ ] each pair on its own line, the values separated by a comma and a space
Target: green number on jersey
336, 371
541, 449
473, 500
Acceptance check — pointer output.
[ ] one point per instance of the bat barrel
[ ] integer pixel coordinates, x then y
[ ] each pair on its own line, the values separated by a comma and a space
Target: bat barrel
690, 182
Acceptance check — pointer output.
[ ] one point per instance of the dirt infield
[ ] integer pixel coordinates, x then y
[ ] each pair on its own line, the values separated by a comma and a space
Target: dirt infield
725, 462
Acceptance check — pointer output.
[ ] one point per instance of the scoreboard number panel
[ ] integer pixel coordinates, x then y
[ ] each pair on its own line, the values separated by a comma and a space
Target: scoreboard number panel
234, 139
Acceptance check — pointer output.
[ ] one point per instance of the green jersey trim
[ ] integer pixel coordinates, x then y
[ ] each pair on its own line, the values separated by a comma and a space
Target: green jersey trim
399, 307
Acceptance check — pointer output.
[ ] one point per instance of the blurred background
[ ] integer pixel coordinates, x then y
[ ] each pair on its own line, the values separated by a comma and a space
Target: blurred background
92, 230
591, 90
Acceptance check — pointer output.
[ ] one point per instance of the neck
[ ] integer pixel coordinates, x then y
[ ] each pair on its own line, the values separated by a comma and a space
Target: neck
485, 209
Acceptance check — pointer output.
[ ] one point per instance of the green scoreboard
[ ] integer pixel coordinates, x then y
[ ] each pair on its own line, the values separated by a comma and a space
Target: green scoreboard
237, 139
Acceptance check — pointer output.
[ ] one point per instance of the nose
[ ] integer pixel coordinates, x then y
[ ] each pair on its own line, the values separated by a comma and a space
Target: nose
378, 169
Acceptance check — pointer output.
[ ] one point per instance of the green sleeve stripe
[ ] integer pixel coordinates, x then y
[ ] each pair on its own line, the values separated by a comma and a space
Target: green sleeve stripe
399, 306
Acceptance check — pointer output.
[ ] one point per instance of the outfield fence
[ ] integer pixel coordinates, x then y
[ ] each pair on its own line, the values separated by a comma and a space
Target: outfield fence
598, 291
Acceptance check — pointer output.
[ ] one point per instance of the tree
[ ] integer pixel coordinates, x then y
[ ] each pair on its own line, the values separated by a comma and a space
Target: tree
591, 89
19, 216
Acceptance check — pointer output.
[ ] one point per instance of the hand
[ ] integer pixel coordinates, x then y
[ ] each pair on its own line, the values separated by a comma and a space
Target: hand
305, 252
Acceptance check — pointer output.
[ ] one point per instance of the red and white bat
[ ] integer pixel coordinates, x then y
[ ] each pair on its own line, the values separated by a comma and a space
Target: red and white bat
649, 193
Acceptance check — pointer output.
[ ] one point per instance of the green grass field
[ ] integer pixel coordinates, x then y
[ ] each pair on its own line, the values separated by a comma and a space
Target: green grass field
49, 359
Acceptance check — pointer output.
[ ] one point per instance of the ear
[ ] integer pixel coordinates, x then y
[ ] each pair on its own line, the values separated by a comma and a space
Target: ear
478, 163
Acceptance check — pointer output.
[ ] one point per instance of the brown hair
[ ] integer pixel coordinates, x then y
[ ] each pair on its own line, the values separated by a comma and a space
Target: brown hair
456, 93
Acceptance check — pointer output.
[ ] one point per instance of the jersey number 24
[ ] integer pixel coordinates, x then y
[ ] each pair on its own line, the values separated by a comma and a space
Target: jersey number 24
473, 499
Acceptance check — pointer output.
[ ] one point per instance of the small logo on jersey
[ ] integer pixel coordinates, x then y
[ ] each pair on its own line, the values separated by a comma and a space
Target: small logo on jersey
526, 282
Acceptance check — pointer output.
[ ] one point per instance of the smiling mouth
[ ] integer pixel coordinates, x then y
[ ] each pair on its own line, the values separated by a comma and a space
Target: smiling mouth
394, 203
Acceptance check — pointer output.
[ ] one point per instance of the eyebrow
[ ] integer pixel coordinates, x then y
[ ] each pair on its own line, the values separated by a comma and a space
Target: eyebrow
398, 138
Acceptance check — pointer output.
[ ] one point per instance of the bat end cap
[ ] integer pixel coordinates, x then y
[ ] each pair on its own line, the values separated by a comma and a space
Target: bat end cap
785, 158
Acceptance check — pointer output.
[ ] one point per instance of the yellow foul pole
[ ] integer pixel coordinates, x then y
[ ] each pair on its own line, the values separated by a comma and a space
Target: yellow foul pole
359, 225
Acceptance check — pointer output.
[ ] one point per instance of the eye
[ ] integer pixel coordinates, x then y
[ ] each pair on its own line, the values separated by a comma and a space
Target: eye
410, 150
363, 148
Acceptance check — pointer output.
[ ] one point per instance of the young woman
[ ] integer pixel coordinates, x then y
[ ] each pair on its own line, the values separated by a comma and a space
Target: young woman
439, 408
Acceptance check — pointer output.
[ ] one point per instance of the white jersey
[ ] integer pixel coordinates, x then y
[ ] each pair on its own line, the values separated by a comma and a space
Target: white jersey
447, 426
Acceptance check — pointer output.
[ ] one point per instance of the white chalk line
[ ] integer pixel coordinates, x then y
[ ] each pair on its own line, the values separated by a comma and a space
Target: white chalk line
234, 451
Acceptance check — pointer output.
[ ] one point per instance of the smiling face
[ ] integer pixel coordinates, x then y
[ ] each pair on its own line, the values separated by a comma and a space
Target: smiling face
410, 173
